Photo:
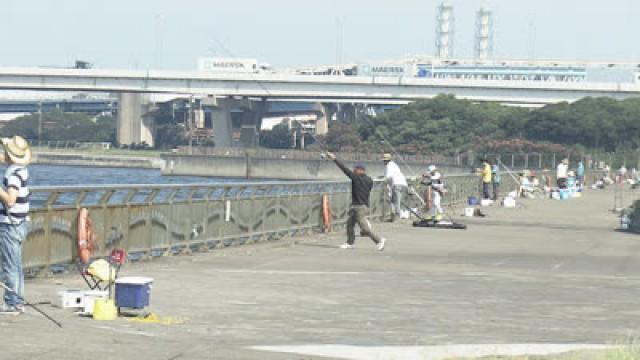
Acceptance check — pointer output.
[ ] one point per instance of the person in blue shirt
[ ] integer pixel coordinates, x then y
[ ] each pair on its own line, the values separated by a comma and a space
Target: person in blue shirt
495, 177
580, 174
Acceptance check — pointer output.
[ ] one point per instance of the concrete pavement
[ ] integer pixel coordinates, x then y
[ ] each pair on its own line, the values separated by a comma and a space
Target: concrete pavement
549, 272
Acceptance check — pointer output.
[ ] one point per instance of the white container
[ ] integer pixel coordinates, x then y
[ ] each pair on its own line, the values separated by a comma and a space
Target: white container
486, 202
70, 299
89, 298
468, 212
509, 202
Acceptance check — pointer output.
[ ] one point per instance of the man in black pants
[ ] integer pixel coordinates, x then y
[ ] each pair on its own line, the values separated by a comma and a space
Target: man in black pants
361, 186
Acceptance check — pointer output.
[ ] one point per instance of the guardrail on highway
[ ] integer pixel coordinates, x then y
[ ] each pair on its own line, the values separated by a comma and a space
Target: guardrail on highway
157, 220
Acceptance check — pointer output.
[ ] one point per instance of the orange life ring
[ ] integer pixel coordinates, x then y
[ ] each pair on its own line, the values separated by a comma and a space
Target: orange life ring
326, 213
86, 236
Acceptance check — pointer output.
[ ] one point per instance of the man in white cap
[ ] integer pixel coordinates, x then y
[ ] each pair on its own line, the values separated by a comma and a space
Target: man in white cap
562, 172
434, 179
13, 227
398, 183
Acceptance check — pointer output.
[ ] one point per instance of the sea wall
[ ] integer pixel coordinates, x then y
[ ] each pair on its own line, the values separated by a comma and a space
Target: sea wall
98, 160
272, 168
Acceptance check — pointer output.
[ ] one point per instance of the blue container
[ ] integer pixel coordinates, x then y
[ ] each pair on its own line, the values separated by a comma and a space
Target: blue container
473, 201
133, 292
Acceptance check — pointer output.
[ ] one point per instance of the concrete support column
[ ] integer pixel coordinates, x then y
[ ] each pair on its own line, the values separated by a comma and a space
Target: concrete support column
133, 124
326, 113
221, 121
346, 113
251, 123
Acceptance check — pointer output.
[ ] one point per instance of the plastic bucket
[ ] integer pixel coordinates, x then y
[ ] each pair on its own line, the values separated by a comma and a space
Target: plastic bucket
472, 200
468, 212
104, 310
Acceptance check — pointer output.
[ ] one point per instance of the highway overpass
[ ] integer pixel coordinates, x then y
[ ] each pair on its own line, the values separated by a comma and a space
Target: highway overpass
251, 91
368, 90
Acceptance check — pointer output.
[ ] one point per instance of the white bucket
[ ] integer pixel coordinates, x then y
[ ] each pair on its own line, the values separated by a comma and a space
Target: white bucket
509, 202
468, 212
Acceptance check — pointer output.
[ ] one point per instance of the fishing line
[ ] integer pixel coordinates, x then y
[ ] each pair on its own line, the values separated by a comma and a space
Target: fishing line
58, 324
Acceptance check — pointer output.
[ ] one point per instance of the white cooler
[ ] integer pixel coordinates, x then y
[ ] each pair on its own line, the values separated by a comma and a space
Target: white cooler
89, 298
70, 299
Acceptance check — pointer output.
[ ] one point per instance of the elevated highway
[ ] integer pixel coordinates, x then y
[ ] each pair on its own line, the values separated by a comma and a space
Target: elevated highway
225, 91
350, 89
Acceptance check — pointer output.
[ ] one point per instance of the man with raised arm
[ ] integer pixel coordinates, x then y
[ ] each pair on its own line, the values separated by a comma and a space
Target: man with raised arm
361, 185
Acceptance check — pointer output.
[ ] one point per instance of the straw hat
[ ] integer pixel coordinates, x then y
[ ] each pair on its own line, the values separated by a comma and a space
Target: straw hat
387, 157
17, 149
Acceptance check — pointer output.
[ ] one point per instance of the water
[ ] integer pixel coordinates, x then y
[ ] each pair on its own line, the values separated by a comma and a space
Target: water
49, 175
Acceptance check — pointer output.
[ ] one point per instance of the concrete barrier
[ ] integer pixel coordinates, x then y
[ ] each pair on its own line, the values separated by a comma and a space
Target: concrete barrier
250, 167
77, 159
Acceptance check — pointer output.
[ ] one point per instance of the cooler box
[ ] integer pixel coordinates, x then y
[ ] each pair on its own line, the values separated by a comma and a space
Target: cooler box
509, 202
133, 292
486, 202
89, 297
70, 299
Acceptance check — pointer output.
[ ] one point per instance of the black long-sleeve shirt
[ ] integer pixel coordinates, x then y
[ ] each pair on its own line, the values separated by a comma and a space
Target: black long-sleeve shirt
361, 185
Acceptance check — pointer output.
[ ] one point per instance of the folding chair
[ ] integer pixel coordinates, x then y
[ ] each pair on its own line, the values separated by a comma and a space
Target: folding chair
100, 274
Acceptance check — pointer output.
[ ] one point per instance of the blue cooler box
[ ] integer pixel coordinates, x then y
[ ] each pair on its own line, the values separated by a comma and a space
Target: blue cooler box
133, 292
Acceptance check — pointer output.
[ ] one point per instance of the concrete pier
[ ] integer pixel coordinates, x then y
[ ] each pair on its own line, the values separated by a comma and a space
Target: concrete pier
548, 272
253, 166
134, 126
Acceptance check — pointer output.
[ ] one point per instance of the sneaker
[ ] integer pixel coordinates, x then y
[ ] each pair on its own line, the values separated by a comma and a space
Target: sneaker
381, 244
20, 308
9, 310
346, 246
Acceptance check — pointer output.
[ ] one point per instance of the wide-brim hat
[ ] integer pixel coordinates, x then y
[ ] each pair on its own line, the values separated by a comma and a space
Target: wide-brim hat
432, 168
387, 157
17, 149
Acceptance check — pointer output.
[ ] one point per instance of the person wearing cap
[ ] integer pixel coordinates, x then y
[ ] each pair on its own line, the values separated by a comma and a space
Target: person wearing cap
398, 183
361, 185
434, 180
562, 172
13, 227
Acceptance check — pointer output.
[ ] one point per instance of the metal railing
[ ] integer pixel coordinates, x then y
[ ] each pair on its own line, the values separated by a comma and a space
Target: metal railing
156, 220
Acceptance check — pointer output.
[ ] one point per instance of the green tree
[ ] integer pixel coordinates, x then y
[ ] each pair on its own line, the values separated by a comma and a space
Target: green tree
58, 125
342, 137
279, 137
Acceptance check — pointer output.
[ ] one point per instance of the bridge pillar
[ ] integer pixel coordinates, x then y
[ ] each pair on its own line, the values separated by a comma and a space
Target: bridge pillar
134, 126
251, 122
221, 121
346, 113
326, 113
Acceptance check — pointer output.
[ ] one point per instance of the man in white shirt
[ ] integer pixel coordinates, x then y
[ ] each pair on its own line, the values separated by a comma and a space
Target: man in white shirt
562, 173
398, 183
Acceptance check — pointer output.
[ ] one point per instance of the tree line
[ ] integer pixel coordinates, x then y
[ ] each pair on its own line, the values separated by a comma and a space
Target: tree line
448, 125
60, 126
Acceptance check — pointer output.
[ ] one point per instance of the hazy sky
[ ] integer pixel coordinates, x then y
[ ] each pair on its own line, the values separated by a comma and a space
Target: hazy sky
171, 34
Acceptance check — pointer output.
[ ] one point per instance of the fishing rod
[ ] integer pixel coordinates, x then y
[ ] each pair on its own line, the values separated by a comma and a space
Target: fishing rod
509, 171
323, 145
34, 307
